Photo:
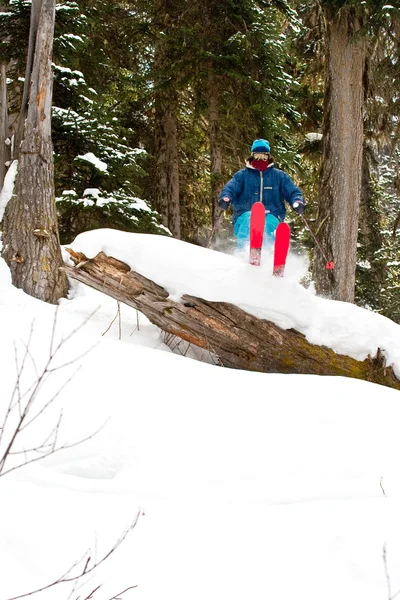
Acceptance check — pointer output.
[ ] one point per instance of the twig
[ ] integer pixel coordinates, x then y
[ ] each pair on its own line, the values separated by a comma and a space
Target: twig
91, 593
53, 451
388, 582
114, 319
385, 565
137, 324
67, 577
16, 389
118, 596
24, 402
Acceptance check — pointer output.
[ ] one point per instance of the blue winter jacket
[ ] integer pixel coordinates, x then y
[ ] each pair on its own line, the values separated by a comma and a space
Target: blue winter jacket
244, 189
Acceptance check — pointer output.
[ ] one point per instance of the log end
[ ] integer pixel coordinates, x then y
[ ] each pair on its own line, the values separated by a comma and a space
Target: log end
79, 258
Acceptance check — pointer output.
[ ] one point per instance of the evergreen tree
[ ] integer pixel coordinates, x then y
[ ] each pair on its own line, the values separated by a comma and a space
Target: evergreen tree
91, 84
378, 249
350, 35
342, 149
225, 72
92, 128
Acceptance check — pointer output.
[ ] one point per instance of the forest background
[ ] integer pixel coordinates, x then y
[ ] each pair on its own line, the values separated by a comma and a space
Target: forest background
155, 106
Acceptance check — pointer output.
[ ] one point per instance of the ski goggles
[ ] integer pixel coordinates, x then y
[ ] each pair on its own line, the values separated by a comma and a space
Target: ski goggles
260, 156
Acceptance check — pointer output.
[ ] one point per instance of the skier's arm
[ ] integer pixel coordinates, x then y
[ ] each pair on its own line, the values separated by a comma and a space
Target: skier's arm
293, 195
229, 191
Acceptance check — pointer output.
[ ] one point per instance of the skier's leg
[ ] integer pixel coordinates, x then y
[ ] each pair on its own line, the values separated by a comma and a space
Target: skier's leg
271, 223
241, 230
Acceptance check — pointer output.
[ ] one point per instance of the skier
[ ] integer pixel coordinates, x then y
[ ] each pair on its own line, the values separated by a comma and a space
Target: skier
243, 190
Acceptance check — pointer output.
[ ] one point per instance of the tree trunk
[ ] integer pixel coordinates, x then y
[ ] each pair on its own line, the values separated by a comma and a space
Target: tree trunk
238, 339
342, 155
215, 143
5, 146
30, 233
165, 129
33, 29
167, 168
370, 236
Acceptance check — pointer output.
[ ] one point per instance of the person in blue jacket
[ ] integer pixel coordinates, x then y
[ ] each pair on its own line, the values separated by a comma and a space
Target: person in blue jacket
260, 180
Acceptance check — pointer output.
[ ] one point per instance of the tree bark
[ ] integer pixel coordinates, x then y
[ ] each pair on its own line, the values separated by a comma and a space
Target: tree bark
215, 144
167, 168
165, 128
5, 146
342, 155
33, 29
30, 232
370, 234
238, 339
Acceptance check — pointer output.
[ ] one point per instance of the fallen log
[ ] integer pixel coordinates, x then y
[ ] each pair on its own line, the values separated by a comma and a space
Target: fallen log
238, 339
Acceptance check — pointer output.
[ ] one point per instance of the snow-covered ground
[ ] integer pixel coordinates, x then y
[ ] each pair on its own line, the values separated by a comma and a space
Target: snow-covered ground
248, 485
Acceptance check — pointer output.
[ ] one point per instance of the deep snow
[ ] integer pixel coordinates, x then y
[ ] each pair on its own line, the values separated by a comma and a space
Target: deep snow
249, 485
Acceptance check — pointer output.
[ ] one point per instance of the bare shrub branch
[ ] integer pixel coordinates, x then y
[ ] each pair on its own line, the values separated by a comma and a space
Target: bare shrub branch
387, 575
23, 410
84, 566
116, 597
118, 315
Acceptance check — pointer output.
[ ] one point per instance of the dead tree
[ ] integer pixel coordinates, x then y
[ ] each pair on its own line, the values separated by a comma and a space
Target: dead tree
238, 339
30, 228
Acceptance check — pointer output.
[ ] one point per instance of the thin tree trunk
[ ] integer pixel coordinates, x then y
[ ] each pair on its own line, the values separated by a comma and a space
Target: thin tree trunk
167, 167
371, 279
342, 155
5, 147
215, 143
33, 29
370, 235
30, 232
165, 129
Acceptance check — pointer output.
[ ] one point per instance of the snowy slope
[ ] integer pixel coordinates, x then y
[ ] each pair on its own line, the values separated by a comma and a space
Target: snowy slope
251, 485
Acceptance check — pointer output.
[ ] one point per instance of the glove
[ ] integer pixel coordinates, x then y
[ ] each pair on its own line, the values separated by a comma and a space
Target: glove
224, 202
298, 207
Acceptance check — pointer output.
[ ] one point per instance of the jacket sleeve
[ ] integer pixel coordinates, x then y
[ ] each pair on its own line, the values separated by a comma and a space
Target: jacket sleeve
231, 190
290, 191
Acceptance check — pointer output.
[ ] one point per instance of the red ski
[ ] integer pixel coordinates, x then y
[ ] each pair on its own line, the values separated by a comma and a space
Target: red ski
257, 223
282, 241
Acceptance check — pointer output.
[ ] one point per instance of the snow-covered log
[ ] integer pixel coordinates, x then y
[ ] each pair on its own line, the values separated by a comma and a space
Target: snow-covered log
238, 339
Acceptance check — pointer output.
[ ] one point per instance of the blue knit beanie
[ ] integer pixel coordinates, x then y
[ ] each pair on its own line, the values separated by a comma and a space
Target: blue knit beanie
261, 146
